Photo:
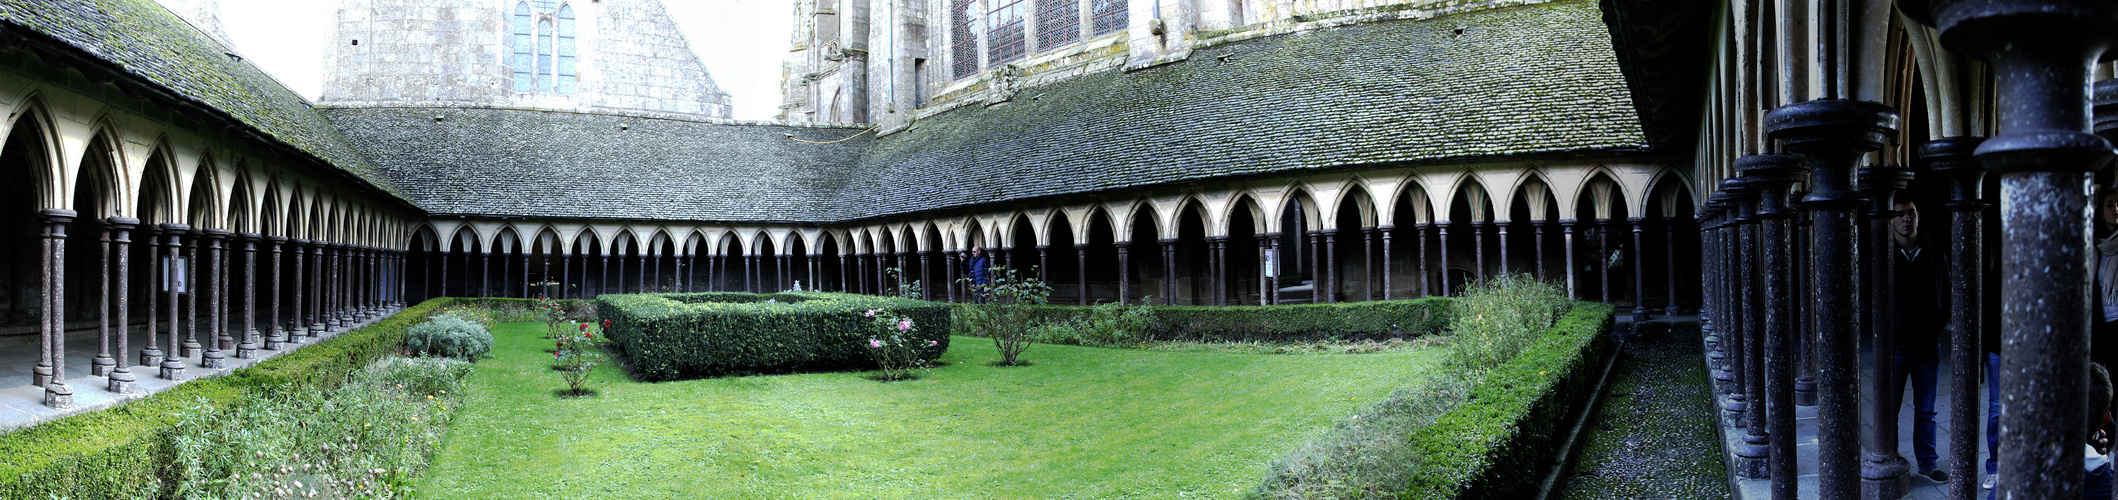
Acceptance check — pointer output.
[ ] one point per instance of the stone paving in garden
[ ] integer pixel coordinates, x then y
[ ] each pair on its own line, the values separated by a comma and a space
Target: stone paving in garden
23, 405
1652, 436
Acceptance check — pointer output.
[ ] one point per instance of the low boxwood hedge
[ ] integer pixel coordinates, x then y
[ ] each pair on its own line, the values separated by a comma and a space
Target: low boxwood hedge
689, 335
1375, 320
123, 452
1510, 426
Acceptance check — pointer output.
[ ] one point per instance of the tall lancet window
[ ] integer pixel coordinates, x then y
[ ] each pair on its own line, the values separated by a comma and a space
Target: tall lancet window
542, 36
523, 59
567, 76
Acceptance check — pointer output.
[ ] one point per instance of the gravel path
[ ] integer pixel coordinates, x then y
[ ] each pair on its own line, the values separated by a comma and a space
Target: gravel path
1653, 436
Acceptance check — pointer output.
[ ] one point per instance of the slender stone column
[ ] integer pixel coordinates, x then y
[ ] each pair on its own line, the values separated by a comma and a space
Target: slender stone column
296, 326
1080, 268
1639, 262
219, 340
1884, 473
121, 378
1219, 271
1478, 248
643, 283
318, 275
1385, 230
1169, 270
1419, 245
275, 337
1772, 175
1125, 273
1044, 265
1566, 238
152, 355
172, 366
1603, 258
1669, 250
1328, 259
1500, 228
248, 348
1367, 264
1952, 158
103, 362
1441, 240
192, 349
1805, 381
52, 369
1749, 367
1712, 266
1834, 134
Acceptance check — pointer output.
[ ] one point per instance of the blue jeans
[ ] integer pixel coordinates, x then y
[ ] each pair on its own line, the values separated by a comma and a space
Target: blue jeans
1992, 412
1922, 367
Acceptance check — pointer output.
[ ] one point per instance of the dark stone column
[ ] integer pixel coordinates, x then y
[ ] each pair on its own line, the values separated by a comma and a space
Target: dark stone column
1125, 273
949, 277
641, 259
1884, 473
1319, 270
191, 349
1834, 134
1952, 158
1500, 234
1540, 227
52, 369
248, 347
219, 339
1669, 242
1566, 228
1772, 175
1419, 246
1169, 271
1328, 258
1712, 263
1603, 260
1478, 248
172, 366
296, 326
276, 337
1044, 264
103, 362
1367, 264
1805, 380
1219, 271
121, 378
318, 277
1080, 268
1441, 240
152, 355
1639, 264
1748, 364
1385, 230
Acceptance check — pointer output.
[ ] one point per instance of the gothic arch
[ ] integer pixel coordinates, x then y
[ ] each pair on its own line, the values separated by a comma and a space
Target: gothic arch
100, 175
33, 124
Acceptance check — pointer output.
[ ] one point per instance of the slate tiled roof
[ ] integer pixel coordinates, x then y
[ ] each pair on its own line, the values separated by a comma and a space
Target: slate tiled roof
558, 164
1514, 81
147, 41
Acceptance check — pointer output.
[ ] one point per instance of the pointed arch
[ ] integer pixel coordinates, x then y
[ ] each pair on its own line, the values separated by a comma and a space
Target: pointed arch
32, 149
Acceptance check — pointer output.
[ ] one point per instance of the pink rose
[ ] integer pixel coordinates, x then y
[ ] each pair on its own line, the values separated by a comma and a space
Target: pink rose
904, 325
932, 343
871, 313
874, 343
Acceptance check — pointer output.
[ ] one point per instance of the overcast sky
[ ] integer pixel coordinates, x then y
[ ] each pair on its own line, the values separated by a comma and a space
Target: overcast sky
741, 42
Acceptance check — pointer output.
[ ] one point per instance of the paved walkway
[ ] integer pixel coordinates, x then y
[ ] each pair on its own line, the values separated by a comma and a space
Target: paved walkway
1806, 442
23, 405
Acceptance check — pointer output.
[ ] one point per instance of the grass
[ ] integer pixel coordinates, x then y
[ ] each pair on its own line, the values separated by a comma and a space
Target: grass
1080, 422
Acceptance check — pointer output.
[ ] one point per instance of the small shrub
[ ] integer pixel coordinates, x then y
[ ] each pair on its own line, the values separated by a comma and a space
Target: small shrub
554, 317
576, 353
905, 289
449, 336
1496, 320
1008, 316
896, 348
689, 335
1106, 325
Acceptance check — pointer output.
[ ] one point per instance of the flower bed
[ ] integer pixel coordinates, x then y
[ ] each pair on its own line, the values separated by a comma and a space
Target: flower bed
691, 335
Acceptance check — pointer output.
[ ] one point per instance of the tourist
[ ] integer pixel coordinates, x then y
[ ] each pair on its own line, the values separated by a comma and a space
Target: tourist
1921, 315
981, 273
2103, 346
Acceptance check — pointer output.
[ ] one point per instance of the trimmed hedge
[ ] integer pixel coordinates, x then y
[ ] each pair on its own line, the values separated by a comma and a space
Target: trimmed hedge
690, 335
122, 452
1374, 320
1511, 424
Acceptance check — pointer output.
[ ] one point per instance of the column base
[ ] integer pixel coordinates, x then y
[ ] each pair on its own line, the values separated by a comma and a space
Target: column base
246, 350
1725, 379
1750, 462
1732, 412
102, 365
1805, 391
213, 360
151, 356
58, 396
172, 370
275, 342
190, 349
316, 330
1641, 314
41, 375
225, 343
121, 382
1885, 478
1672, 311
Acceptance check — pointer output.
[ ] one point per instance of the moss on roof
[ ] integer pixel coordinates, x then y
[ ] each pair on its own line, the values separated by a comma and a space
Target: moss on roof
145, 40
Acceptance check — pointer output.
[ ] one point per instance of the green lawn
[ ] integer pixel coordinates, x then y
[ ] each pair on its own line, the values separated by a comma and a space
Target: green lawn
1080, 423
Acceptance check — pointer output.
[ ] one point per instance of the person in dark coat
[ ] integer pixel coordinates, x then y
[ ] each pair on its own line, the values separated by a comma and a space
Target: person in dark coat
981, 273
1920, 296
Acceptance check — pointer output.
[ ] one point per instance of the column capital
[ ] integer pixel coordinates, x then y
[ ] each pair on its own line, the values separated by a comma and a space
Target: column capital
248, 237
274, 240
122, 223
214, 235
